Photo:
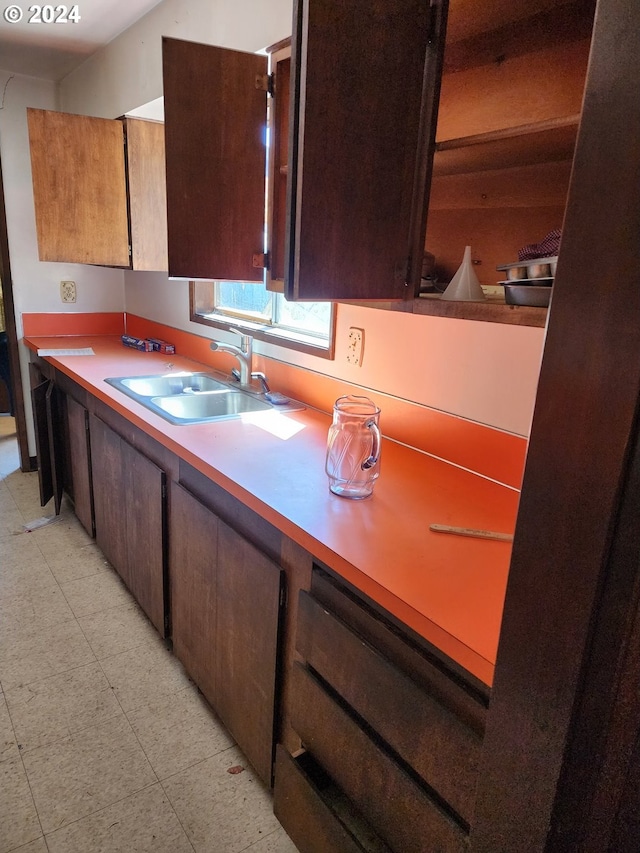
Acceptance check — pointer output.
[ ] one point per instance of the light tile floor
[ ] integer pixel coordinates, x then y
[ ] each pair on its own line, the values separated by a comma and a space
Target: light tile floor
105, 743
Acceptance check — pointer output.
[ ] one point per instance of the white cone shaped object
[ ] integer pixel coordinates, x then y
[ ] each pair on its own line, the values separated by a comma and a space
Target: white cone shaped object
464, 286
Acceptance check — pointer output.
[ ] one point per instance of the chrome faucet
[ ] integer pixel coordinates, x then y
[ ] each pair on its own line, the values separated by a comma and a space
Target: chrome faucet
244, 354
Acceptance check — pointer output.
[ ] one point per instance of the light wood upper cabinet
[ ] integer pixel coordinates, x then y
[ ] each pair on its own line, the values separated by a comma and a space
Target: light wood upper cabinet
215, 104
93, 195
147, 194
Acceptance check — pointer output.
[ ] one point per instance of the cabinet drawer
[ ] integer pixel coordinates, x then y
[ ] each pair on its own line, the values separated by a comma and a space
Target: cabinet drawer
388, 794
428, 736
313, 811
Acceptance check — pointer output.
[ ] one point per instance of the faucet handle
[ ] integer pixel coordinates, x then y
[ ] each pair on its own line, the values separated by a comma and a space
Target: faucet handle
245, 340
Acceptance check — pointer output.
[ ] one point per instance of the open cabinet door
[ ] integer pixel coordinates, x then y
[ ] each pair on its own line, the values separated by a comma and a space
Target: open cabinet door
45, 472
55, 439
215, 107
360, 73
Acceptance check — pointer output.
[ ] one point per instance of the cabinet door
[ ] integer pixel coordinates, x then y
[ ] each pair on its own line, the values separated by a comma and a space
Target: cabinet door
80, 463
39, 387
147, 194
278, 164
215, 117
225, 601
109, 496
54, 405
249, 596
144, 488
193, 579
79, 188
357, 74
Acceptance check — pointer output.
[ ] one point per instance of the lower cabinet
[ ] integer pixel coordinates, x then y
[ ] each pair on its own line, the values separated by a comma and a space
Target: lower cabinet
48, 422
79, 463
226, 600
392, 737
129, 494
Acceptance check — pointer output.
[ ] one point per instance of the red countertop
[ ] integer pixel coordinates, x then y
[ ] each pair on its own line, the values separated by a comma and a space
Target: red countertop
449, 589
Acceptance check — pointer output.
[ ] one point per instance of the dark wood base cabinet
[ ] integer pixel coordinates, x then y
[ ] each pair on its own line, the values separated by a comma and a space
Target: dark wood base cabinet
129, 493
392, 735
78, 454
226, 598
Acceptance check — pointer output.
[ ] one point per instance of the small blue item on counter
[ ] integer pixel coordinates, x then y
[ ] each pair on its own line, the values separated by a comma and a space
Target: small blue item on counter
137, 343
162, 346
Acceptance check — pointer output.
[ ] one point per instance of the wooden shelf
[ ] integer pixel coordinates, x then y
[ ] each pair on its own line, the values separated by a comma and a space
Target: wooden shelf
540, 142
491, 311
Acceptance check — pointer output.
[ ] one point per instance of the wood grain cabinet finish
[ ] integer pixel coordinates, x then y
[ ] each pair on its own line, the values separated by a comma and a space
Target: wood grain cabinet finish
357, 106
85, 185
315, 813
49, 417
226, 602
129, 499
427, 735
215, 104
400, 809
79, 457
147, 194
396, 729
503, 156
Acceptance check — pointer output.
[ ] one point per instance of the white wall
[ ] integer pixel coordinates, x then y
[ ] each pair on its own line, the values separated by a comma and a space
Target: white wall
128, 72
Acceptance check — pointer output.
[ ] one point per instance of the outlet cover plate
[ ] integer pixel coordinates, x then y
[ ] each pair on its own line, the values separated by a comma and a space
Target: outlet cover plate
355, 347
68, 291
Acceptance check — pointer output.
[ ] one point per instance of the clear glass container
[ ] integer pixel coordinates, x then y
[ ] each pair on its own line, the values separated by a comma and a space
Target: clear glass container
353, 447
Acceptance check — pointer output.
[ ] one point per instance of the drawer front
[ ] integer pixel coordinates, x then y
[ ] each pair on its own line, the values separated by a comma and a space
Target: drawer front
388, 796
440, 747
313, 814
453, 687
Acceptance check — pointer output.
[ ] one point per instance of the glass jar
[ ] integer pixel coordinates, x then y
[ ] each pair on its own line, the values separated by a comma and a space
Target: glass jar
353, 447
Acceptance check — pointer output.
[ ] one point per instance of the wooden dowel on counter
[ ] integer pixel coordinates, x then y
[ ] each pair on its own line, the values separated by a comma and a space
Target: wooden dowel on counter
469, 531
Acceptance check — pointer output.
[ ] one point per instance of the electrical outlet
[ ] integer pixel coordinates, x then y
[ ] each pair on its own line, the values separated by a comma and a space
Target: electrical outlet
68, 291
355, 347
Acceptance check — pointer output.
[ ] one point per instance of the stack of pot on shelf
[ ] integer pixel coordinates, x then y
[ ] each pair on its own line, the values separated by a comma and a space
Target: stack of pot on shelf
529, 280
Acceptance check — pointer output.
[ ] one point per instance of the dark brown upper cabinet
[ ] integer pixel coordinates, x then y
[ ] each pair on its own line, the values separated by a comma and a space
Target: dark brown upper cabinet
98, 187
215, 103
364, 85
345, 124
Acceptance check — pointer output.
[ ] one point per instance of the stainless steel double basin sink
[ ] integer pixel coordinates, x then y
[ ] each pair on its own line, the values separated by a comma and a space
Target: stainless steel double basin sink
189, 398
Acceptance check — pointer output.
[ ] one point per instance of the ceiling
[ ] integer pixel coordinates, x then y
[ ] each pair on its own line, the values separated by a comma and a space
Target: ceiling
53, 50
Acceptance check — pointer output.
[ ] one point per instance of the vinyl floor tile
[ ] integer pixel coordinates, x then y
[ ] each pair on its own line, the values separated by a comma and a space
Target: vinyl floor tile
275, 842
74, 562
45, 605
40, 652
47, 711
86, 772
37, 846
178, 731
144, 823
21, 557
19, 822
221, 811
8, 742
95, 593
118, 630
144, 675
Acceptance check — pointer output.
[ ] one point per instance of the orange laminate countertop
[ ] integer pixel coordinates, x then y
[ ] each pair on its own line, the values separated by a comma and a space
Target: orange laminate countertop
449, 589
